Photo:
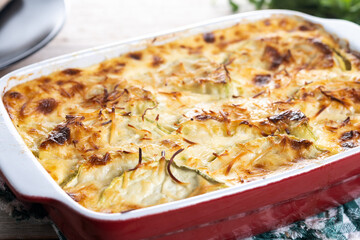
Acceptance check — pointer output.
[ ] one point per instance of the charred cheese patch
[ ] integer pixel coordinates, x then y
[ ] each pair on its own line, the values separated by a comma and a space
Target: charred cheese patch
194, 115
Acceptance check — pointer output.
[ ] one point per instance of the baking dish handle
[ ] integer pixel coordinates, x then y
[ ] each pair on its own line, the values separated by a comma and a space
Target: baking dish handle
20, 169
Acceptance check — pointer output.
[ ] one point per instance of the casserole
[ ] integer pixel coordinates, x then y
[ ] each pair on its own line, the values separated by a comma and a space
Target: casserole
225, 209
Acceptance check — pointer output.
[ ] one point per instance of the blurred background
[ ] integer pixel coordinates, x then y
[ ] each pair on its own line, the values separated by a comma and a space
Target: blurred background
92, 23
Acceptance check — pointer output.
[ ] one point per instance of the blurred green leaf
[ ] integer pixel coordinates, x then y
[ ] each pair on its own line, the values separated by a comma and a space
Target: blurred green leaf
234, 6
345, 9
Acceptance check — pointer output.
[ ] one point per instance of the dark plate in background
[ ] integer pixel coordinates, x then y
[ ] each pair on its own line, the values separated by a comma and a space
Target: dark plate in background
28, 25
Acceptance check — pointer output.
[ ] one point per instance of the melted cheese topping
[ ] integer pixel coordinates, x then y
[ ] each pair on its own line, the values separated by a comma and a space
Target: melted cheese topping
194, 115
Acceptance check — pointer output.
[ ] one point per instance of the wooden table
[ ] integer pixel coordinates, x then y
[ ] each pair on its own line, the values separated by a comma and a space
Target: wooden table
92, 23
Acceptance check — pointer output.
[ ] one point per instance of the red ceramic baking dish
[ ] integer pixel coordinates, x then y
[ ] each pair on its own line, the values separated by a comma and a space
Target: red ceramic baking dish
239, 211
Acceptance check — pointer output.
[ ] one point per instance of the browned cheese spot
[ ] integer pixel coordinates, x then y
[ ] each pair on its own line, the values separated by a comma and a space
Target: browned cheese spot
349, 135
287, 116
322, 47
300, 144
15, 95
135, 55
75, 87
98, 160
59, 135
349, 138
326, 50
157, 61
308, 27
209, 37
71, 71
47, 105
109, 98
262, 79
274, 58
220, 117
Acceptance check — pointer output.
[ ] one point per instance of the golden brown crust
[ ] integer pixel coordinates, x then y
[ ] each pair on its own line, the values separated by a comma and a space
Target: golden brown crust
194, 115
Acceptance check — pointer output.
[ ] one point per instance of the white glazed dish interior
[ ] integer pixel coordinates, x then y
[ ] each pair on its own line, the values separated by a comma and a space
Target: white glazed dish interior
26, 175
